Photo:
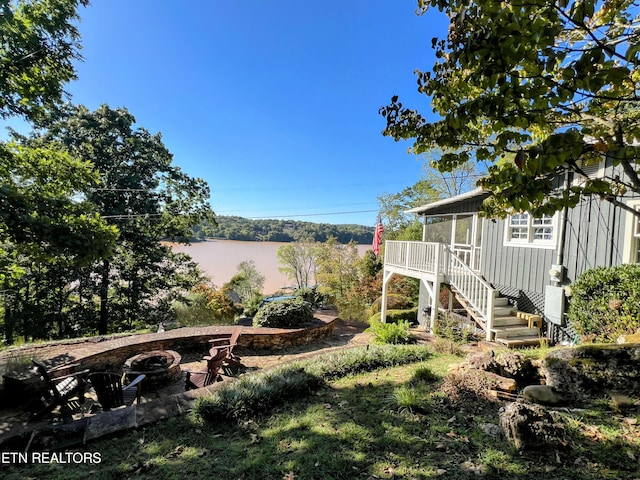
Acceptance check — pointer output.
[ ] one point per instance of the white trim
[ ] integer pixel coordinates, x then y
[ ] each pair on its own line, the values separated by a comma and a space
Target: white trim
449, 201
529, 242
629, 251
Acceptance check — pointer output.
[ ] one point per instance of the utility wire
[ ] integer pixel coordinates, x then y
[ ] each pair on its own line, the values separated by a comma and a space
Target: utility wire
311, 214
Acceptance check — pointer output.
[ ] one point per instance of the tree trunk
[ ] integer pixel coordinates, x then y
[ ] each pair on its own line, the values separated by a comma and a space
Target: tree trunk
103, 321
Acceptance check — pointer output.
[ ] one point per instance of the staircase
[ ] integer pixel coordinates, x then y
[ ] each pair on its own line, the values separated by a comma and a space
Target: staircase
510, 327
515, 329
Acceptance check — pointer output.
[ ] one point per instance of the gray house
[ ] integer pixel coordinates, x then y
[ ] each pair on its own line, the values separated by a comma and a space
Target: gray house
513, 276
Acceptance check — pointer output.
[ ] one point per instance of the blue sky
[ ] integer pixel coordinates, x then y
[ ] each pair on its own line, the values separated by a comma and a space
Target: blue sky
274, 102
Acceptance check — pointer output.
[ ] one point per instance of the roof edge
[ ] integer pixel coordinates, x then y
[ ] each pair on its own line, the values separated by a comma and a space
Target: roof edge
477, 192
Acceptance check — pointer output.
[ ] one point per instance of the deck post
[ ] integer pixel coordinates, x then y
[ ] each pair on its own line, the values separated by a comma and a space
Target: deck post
386, 276
435, 297
490, 302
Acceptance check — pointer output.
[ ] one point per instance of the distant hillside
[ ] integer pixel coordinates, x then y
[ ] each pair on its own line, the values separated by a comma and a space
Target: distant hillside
238, 228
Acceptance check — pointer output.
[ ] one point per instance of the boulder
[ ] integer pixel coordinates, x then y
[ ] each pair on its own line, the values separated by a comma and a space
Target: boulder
529, 426
544, 395
591, 370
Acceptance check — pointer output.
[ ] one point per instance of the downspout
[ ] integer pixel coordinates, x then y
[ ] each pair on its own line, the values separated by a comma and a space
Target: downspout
560, 252
563, 228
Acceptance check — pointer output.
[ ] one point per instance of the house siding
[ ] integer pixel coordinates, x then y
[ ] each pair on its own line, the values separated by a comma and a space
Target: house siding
594, 237
522, 268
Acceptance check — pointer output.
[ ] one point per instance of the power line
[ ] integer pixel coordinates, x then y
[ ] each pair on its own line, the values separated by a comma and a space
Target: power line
311, 214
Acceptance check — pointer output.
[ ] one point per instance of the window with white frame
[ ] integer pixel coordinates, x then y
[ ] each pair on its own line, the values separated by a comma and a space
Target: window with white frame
636, 238
631, 247
526, 230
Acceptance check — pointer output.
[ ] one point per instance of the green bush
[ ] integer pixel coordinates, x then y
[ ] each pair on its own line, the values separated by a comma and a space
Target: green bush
252, 305
310, 295
395, 316
394, 302
452, 329
393, 333
196, 311
605, 302
289, 313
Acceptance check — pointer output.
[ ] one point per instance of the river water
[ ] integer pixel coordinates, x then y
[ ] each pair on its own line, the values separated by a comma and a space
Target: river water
219, 260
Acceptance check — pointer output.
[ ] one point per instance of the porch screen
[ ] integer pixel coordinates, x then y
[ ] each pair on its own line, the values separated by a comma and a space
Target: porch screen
438, 229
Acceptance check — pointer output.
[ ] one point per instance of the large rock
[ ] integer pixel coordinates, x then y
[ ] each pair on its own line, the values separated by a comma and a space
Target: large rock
529, 426
544, 395
593, 369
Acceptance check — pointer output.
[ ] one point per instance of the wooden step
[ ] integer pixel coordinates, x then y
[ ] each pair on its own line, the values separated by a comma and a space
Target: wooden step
509, 320
500, 302
505, 311
518, 342
515, 331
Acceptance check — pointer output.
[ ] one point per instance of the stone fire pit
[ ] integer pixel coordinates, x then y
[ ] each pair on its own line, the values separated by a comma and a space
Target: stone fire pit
161, 367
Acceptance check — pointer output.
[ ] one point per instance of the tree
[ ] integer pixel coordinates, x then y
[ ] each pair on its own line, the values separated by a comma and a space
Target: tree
39, 45
433, 186
248, 282
532, 87
47, 231
338, 272
141, 193
298, 262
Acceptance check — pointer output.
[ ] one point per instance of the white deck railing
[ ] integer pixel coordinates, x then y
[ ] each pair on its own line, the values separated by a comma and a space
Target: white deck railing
416, 256
473, 288
435, 259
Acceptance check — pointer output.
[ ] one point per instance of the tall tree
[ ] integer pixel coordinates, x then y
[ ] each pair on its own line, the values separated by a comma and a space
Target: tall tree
141, 193
544, 83
39, 42
338, 268
298, 262
248, 282
433, 186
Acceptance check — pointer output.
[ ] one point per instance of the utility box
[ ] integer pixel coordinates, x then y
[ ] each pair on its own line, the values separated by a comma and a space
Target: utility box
554, 305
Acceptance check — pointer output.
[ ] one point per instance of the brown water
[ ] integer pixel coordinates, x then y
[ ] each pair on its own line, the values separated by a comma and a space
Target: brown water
219, 259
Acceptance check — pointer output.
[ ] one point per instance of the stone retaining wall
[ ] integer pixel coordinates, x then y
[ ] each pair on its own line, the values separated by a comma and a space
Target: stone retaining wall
110, 354
101, 353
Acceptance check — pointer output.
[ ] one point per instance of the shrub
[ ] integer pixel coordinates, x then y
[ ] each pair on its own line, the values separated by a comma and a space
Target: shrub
289, 313
201, 309
453, 329
252, 305
394, 333
605, 302
395, 316
255, 394
394, 302
310, 295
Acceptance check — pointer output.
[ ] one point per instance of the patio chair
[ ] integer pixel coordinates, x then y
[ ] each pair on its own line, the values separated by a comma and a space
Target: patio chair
60, 391
227, 343
211, 375
111, 393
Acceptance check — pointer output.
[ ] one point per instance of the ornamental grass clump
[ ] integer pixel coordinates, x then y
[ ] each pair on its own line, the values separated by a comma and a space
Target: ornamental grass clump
256, 394
260, 392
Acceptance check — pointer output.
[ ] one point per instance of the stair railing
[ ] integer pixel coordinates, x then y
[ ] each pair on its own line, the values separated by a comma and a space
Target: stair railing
472, 287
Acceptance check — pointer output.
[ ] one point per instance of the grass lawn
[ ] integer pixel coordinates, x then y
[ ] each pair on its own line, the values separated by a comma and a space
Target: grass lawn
393, 423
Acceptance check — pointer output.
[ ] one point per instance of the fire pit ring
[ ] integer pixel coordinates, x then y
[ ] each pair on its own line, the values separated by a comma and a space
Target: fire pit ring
161, 367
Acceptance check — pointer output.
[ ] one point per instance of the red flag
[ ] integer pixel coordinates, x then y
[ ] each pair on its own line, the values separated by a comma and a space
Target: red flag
377, 237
